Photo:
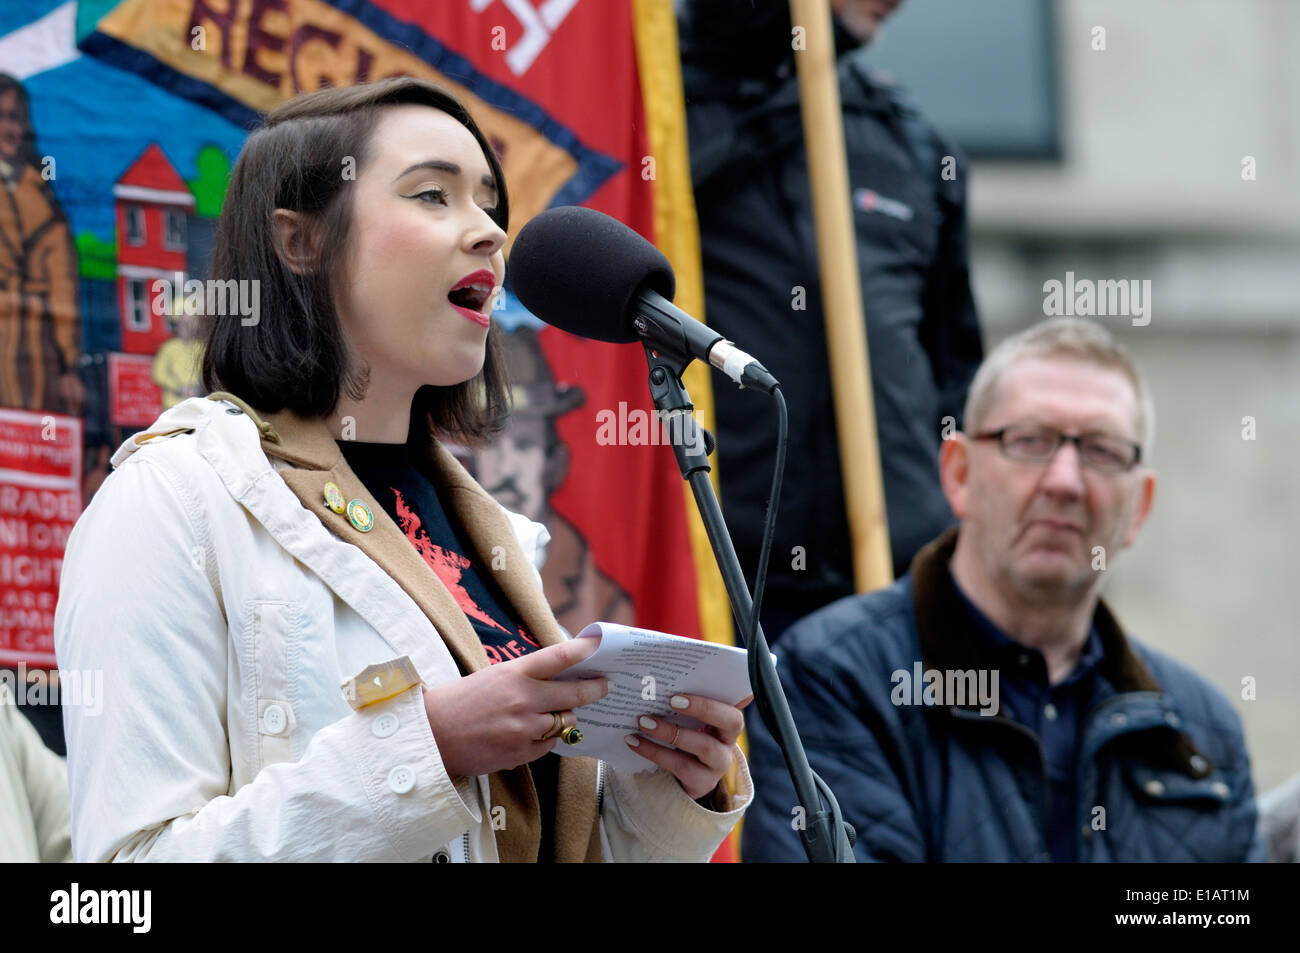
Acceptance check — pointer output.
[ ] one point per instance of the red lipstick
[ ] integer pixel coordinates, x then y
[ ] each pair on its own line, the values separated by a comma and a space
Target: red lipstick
472, 293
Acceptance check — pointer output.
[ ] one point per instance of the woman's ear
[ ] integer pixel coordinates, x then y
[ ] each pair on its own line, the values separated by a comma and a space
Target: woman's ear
294, 240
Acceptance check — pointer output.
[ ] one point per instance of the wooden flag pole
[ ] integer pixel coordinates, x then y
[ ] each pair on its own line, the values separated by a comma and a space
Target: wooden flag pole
846, 337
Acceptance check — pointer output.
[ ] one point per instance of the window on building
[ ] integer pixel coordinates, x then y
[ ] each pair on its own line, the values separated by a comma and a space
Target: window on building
138, 304
134, 225
983, 73
174, 229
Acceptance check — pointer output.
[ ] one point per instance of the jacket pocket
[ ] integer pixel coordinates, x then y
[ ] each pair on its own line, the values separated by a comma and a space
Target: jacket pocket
1152, 786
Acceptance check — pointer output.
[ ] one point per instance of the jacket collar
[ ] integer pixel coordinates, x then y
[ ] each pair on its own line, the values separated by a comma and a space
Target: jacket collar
941, 618
311, 458
942, 624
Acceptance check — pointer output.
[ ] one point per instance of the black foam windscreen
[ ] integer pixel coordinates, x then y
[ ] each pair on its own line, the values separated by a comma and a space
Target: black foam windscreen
578, 270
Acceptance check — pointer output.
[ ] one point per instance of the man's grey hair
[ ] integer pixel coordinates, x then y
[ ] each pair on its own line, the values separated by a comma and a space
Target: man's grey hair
1076, 338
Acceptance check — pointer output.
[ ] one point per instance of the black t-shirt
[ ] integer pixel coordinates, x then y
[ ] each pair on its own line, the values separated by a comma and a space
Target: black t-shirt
412, 500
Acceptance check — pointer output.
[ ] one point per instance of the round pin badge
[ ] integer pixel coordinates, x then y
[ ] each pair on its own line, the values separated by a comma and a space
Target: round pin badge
359, 515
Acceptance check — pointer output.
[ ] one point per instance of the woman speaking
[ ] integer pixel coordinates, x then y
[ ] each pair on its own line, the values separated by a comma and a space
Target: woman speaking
320, 638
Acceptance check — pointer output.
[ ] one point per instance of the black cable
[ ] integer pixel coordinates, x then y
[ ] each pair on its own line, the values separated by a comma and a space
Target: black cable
769, 522
754, 642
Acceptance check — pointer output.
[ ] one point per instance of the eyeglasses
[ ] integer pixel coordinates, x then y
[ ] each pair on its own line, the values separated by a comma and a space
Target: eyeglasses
1097, 451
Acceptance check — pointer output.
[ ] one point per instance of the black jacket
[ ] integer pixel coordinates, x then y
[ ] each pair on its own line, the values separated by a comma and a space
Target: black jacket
759, 246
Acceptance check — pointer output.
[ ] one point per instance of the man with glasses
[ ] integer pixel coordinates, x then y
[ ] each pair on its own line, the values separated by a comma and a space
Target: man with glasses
988, 706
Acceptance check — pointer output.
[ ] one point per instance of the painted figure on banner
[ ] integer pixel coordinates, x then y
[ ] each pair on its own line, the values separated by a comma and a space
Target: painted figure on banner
40, 328
178, 364
525, 465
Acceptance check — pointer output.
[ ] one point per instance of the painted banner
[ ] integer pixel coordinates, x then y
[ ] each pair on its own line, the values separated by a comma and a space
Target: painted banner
120, 120
40, 499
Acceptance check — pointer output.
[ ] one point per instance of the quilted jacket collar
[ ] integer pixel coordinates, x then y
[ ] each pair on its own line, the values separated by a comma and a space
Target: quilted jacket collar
941, 624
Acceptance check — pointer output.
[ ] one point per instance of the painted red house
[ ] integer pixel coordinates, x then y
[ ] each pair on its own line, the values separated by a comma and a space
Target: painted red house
152, 205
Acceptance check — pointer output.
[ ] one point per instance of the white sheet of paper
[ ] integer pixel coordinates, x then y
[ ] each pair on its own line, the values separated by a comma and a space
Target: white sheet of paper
645, 669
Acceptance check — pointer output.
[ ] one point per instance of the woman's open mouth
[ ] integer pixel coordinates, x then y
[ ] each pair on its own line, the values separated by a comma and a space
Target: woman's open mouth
472, 295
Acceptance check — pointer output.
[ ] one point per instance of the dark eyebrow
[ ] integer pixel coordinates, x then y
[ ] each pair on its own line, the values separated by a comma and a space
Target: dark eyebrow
445, 166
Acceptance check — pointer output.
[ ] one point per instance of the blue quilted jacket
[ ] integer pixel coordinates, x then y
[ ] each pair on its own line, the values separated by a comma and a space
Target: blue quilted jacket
1161, 752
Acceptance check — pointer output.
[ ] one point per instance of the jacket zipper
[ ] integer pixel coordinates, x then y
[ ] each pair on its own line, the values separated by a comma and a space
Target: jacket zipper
1042, 763
1047, 784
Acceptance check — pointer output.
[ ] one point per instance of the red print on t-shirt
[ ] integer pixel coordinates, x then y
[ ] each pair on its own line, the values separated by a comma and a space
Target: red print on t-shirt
447, 566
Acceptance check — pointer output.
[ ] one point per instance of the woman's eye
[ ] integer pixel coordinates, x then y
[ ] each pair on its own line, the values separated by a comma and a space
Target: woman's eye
431, 195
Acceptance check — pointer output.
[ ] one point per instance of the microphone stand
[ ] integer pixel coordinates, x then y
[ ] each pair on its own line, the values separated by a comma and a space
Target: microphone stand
821, 841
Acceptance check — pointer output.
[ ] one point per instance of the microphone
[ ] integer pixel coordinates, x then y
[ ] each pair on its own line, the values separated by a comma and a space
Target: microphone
586, 273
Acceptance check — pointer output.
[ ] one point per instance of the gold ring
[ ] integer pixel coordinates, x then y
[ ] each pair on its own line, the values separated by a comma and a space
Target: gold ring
557, 724
676, 734
571, 735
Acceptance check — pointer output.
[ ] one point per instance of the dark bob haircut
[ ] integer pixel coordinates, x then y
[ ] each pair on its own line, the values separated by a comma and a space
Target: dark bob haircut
297, 356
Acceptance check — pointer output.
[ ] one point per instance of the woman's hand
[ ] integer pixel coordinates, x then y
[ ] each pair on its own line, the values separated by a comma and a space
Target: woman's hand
702, 756
491, 720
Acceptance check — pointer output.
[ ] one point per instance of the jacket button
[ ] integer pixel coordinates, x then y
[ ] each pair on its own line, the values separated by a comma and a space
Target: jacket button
1221, 789
1118, 719
274, 720
443, 856
1198, 763
401, 779
384, 725
1172, 719
1154, 788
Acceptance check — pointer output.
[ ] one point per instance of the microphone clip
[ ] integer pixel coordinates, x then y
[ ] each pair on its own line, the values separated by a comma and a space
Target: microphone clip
691, 443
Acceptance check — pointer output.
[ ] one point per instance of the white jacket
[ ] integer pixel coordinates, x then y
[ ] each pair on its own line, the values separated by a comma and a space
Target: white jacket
33, 792
225, 615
